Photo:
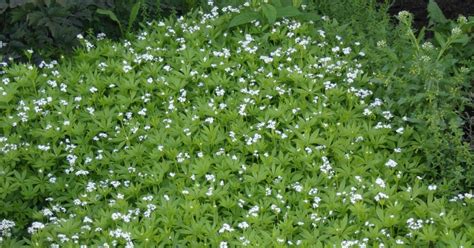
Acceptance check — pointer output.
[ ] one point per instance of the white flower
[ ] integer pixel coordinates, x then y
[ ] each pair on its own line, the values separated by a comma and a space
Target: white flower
82, 173
5, 227
381, 43
456, 31
275, 208
404, 15
380, 196
223, 244
367, 112
297, 187
346, 50
243, 225
326, 167
387, 115
35, 226
427, 45
3, 44
414, 224
254, 211
380, 182
210, 177
116, 216
126, 68
209, 120
101, 36
355, 198
226, 228
147, 198
432, 187
219, 91
44, 147
142, 112
210, 191
266, 59
391, 163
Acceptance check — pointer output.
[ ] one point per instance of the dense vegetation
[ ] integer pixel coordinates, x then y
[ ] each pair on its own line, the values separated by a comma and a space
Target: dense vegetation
261, 125
50, 27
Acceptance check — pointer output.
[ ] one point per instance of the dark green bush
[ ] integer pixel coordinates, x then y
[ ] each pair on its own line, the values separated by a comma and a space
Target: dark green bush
50, 27
47, 25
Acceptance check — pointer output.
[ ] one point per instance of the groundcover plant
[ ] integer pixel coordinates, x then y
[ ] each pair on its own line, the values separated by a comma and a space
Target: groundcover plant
195, 135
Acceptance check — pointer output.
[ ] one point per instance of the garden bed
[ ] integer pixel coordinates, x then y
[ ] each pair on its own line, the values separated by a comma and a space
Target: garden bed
279, 132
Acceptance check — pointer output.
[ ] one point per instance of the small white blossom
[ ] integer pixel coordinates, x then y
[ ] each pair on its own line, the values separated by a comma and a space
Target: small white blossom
243, 225
380, 182
226, 228
380, 196
391, 163
35, 226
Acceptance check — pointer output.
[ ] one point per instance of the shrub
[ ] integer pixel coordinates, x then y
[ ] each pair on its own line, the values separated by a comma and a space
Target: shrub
51, 26
47, 25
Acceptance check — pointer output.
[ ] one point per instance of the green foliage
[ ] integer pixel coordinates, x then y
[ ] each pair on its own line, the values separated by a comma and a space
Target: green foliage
454, 37
190, 134
268, 13
244, 18
112, 17
435, 14
46, 25
428, 82
50, 27
367, 17
133, 14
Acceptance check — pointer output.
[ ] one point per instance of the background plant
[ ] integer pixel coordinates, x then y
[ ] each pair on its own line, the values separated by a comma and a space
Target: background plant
429, 81
50, 27
269, 13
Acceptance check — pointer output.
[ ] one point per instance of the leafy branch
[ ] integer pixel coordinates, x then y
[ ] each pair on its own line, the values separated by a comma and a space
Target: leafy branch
269, 13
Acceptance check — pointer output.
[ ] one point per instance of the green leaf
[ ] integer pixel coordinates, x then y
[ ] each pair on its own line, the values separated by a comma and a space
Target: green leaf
133, 15
269, 12
464, 39
16, 3
440, 39
111, 15
309, 16
61, 2
34, 18
3, 6
288, 11
243, 18
421, 35
276, 3
435, 13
